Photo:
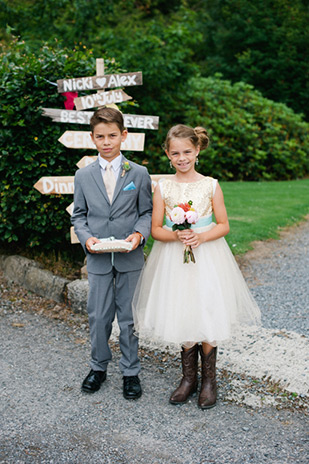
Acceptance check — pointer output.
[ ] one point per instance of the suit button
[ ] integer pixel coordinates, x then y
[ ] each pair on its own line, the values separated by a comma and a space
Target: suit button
111, 218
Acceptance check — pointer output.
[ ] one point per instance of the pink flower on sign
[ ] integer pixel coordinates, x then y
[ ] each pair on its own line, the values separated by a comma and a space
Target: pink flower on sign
191, 216
177, 215
69, 99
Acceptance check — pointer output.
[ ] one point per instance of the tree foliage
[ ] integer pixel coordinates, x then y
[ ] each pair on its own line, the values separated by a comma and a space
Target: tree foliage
261, 42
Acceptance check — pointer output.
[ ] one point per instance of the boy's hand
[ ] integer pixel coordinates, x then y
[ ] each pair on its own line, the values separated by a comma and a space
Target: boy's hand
91, 241
135, 239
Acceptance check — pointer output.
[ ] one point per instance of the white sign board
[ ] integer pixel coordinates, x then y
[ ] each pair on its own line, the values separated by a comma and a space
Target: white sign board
100, 99
52, 185
136, 121
65, 185
108, 81
82, 139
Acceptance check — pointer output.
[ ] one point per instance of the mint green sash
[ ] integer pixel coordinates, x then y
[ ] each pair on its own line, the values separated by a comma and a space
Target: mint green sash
202, 222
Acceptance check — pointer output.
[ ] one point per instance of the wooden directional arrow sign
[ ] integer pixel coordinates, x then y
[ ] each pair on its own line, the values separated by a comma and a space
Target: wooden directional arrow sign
52, 185
70, 208
156, 177
136, 121
81, 139
108, 81
85, 161
74, 238
68, 116
65, 185
101, 99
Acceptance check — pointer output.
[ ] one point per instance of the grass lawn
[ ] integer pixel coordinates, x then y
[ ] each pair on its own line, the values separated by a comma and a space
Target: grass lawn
258, 210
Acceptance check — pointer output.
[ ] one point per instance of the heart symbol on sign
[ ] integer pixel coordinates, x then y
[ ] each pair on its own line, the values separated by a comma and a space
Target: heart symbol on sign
101, 81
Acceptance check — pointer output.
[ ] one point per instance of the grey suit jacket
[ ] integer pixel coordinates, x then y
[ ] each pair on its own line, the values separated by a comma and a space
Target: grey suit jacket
94, 216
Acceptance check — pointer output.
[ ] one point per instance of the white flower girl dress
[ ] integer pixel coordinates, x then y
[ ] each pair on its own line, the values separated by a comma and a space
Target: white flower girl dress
206, 301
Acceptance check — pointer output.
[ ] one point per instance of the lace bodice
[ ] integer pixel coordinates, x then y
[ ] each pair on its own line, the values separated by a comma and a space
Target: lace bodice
200, 193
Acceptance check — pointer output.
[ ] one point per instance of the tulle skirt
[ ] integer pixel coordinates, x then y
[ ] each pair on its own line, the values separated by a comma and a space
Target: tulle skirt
206, 301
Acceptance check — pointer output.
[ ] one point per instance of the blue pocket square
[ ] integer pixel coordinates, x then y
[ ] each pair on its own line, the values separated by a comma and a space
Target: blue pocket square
130, 186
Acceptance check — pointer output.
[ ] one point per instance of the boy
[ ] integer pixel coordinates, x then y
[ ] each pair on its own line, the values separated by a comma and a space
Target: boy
112, 198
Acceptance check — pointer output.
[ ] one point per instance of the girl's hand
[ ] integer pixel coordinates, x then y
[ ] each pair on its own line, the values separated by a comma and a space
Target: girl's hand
189, 237
183, 235
194, 240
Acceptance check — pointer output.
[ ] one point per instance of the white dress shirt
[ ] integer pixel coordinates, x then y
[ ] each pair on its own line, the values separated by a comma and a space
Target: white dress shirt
116, 165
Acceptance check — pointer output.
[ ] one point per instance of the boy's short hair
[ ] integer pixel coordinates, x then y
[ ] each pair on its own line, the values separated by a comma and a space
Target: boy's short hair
108, 116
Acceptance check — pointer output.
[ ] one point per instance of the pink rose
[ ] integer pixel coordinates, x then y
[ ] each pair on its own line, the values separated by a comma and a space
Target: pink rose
191, 216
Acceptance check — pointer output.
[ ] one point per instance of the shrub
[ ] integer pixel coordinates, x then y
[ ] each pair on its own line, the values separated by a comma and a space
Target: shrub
252, 138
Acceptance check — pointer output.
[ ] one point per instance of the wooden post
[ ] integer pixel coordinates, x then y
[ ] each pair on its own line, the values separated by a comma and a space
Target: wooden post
99, 66
100, 70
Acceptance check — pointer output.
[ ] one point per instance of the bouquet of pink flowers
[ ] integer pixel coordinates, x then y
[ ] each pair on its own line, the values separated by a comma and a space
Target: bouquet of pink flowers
183, 216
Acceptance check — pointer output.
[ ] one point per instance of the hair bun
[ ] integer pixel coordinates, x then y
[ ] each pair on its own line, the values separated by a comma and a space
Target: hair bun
203, 137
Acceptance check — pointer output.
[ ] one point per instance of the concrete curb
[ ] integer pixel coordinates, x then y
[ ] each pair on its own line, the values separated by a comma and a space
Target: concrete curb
29, 274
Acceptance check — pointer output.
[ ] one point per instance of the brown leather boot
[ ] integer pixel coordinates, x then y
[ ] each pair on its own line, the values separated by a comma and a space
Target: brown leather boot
188, 384
208, 393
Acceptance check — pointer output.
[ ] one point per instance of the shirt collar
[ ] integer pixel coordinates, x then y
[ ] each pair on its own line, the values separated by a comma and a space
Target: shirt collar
115, 163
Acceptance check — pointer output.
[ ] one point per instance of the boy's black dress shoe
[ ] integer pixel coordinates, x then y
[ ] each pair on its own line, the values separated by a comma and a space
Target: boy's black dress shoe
93, 381
131, 387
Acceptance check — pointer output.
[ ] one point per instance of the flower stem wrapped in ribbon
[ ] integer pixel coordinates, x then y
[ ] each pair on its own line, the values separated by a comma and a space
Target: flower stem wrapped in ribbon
183, 216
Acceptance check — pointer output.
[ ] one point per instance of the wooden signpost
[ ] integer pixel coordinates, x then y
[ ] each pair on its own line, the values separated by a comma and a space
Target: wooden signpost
55, 185
101, 99
81, 139
131, 121
108, 81
70, 208
65, 185
137, 121
68, 116
85, 161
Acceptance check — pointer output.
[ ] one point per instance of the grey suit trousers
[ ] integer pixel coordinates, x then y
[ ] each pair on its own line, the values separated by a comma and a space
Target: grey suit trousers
111, 294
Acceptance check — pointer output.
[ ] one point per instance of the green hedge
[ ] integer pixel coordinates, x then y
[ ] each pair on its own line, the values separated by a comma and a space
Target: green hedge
30, 147
252, 138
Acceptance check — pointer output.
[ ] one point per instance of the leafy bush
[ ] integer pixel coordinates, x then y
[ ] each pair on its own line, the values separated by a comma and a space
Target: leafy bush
252, 138
29, 143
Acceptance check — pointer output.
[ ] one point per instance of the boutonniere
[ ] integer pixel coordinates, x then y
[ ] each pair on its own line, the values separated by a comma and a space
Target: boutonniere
125, 167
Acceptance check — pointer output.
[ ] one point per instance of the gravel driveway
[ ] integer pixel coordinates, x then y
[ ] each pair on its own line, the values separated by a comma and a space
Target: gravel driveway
47, 419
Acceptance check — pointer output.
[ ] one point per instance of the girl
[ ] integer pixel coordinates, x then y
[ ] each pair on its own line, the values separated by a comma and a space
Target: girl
191, 292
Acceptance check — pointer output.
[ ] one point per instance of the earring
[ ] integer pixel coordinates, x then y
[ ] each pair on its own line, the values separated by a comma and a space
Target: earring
171, 166
196, 160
